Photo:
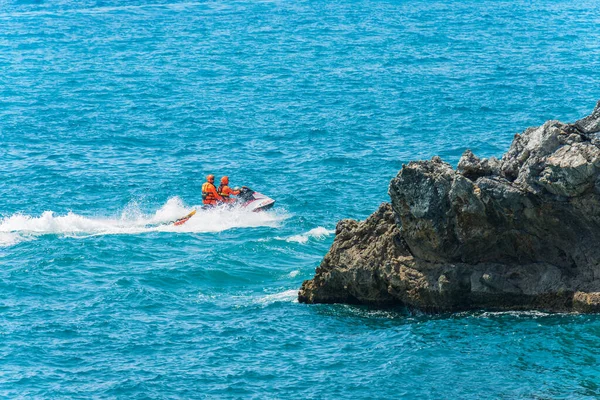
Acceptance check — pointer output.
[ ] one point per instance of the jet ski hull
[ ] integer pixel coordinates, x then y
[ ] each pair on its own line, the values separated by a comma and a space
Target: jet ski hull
254, 201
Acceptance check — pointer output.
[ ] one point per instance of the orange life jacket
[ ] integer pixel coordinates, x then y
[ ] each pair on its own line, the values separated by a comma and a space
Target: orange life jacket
209, 194
226, 192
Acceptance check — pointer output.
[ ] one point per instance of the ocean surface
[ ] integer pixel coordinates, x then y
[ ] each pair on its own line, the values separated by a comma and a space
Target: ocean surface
112, 113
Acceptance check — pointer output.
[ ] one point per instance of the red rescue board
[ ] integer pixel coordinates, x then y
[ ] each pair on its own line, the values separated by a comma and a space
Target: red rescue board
183, 220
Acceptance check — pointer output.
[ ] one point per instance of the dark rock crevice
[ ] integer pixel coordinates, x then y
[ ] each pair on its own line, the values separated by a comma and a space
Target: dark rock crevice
517, 233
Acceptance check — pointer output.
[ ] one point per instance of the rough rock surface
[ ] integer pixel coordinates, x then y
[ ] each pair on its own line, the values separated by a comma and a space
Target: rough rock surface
522, 232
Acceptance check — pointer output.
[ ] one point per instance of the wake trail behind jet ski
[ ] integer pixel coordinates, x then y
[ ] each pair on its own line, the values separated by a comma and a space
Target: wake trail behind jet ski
21, 227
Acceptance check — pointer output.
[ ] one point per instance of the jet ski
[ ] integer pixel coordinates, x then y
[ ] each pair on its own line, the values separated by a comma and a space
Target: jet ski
248, 199
251, 200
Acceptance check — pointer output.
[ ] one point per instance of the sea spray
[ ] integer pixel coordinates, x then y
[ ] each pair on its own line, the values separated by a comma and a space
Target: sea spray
9, 239
133, 221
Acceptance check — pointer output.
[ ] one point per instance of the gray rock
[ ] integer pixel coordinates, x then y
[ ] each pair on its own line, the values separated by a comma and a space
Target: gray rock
473, 167
517, 233
591, 123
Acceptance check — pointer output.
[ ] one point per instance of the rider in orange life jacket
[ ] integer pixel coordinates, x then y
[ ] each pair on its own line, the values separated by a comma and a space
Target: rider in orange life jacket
225, 191
210, 196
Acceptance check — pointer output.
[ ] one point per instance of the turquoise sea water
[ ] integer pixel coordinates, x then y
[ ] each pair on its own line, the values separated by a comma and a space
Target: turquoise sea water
112, 114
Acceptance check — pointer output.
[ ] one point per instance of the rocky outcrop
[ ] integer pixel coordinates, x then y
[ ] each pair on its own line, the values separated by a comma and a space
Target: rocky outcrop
522, 232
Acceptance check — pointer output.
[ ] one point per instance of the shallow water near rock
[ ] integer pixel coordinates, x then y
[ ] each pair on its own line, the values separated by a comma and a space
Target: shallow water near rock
111, 116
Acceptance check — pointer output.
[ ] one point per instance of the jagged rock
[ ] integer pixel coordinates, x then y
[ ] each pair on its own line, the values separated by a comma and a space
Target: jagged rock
473, 167
361, 251
517, 233
591, 123
571, 170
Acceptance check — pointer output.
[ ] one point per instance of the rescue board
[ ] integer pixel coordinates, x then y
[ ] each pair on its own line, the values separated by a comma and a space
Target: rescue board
183, 220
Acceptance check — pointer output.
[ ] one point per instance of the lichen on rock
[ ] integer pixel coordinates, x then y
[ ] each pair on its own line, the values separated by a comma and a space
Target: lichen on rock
521, 232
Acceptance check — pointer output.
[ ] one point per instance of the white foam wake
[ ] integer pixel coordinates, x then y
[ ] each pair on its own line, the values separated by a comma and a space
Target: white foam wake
9, 238
18, 227
315, 233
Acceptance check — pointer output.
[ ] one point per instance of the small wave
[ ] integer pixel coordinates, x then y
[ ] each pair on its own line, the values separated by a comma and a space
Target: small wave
18, 227
316, 233
288, 296
518, 314
293, 274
